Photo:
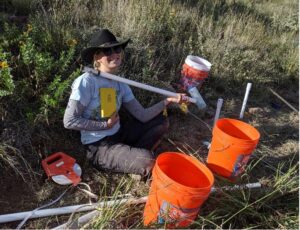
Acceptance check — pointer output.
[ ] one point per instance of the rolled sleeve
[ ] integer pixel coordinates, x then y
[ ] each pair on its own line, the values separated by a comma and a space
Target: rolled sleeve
82, 91
127, 94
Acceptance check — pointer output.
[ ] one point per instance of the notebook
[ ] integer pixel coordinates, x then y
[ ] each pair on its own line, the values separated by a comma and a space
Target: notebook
108, 100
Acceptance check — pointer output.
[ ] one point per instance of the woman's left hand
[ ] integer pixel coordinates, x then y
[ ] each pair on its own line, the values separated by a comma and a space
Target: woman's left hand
180, 99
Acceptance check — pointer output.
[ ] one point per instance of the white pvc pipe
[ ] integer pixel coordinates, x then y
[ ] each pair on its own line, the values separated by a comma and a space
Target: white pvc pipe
88, 207
139, 85
84, 219
87, 217
80, 222
245, 100
218, 110
58, 211
197, 96
236, 187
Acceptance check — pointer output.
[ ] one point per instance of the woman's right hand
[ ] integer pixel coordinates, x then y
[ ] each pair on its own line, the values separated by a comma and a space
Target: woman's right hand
180, 99
113, 120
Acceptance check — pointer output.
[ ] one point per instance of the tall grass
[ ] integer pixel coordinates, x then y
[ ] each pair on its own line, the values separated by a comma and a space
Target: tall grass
256, 209
12, 157
114, 216
242, 42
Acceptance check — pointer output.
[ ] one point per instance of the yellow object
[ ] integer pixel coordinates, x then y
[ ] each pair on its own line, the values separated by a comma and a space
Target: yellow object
165, 112
72, 42
184, 107
29, 27
3, 65
108, 100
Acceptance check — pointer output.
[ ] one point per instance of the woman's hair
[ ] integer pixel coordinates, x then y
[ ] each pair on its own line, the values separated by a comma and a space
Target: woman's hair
96, 64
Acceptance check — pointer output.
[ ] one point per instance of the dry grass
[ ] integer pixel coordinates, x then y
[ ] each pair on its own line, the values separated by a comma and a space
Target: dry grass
11, 157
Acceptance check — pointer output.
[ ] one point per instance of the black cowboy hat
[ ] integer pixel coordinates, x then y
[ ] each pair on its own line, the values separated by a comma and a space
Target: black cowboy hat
101, 39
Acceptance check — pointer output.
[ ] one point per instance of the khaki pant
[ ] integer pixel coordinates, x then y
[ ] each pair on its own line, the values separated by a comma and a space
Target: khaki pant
130, 149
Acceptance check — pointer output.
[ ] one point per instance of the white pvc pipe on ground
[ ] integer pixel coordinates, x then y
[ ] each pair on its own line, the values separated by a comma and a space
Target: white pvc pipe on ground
58, 211
84, 219
245, 100
236, 187
89, 216
88, 207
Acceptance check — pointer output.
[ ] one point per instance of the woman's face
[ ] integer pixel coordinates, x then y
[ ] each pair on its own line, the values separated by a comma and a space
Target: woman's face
109, 59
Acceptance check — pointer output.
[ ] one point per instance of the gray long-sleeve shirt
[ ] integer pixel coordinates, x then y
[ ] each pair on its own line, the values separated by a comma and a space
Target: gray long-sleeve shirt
85, 106
73, 118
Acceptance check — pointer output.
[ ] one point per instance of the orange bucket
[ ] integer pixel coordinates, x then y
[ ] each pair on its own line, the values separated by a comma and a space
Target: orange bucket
180, 185
232, 143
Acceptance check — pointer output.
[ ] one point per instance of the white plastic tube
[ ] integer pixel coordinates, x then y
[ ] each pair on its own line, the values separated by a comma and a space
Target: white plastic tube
137, 84
238, 187
197, 96
218, 110
80, 222
58, 211
245, 100
88, 207
87, 217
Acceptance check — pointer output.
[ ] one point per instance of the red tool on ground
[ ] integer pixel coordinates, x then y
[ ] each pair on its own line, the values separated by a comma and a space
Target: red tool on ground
62, 168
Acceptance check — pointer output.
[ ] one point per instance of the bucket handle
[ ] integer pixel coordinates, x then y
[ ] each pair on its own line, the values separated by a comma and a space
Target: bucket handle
221, 150
229, 145
192, 195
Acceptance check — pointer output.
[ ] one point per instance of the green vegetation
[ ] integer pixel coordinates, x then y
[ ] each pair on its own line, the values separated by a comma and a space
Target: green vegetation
245, 40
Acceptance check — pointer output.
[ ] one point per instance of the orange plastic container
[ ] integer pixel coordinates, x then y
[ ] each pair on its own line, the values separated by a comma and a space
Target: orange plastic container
232, 143
194, 73
180, 185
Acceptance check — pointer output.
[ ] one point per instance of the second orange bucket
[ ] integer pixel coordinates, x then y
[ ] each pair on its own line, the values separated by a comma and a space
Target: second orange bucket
180, 186
232, 143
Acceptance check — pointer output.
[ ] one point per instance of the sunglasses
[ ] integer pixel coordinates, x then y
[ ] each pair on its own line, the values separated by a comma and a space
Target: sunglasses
110, 51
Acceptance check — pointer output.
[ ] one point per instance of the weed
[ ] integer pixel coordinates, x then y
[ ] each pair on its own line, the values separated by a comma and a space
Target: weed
12, 157
7, 85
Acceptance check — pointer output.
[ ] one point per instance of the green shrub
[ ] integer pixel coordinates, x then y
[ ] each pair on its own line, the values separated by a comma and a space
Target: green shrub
44, 75
7, 85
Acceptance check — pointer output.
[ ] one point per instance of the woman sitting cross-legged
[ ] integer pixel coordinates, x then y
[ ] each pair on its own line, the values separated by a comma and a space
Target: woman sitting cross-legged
111, 144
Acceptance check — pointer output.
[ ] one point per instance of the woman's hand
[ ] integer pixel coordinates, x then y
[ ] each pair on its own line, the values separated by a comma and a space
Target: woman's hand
113, 120
180, 99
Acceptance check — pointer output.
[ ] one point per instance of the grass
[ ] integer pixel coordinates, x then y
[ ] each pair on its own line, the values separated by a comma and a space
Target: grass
245, 40
11, 157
